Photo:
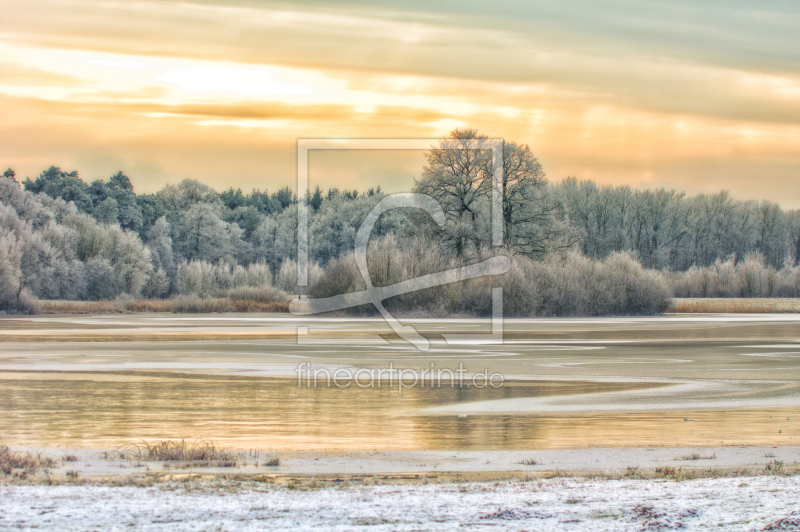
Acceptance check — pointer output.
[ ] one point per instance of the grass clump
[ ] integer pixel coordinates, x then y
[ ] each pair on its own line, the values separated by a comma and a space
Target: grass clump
22, 465
205, 453
775, 466
697, 456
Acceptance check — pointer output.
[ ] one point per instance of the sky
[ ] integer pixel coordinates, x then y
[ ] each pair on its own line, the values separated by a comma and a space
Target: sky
697, 96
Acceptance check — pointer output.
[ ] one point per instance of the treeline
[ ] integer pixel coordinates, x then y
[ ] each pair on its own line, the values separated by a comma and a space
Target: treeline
671, 230
63, 238
50, 250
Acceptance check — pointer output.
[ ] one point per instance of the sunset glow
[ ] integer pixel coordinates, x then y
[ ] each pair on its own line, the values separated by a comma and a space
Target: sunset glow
680, 96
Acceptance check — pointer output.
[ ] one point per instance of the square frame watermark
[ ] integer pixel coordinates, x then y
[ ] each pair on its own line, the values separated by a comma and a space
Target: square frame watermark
495, 145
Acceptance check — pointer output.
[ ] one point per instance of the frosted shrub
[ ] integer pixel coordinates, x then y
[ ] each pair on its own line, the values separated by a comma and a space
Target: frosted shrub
254, 275
390, 264
196, 278
222, 276
420, 256
724, 280
694, 282
750, 277
238, 276
258, 274
341, 276
476, 294
203, 279
560, 285
286, 279
634, 289
788, 281
260, 294
573, 285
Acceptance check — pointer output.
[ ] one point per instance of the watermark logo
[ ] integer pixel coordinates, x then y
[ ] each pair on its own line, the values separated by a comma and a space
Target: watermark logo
376, 295
390, 377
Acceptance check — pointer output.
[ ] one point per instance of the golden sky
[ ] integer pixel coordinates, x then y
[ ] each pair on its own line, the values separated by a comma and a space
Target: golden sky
680, 94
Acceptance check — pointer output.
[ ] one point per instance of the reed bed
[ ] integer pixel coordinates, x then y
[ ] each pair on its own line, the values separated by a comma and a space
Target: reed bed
737, 305
78, 307
180, 304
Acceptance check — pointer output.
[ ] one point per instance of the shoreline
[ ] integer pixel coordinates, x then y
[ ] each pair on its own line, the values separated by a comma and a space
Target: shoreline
105, 466
184, 304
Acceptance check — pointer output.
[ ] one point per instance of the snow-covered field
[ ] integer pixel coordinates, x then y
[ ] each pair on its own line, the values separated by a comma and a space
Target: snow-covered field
743, 503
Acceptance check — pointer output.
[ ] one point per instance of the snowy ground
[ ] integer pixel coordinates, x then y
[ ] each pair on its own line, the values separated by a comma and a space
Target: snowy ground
743, 503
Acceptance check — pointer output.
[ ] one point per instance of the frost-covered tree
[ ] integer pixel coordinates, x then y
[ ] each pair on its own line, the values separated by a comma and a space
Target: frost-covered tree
57, 183
794, 236
157, 284
119, 188
332, 229
202, 235
528, 223
10, 174
275, 239
179, 198
10, 276
248, 218
100, 279
773, 228
159, 242
107, 212
459, 176
130, 260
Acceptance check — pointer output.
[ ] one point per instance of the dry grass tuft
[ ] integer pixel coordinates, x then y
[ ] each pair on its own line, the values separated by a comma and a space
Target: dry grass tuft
206, 452
696, 456
529, 461
666, 471
776, 466
21, 466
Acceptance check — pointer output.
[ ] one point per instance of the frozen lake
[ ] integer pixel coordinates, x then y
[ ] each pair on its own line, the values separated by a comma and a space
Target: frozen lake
99, 381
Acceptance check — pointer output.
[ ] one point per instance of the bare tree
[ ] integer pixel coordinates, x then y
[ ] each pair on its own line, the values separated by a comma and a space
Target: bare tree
528, 223
458, 176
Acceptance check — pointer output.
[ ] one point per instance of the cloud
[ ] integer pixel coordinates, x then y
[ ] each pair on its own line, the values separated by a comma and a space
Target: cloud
16, 74
233, 80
